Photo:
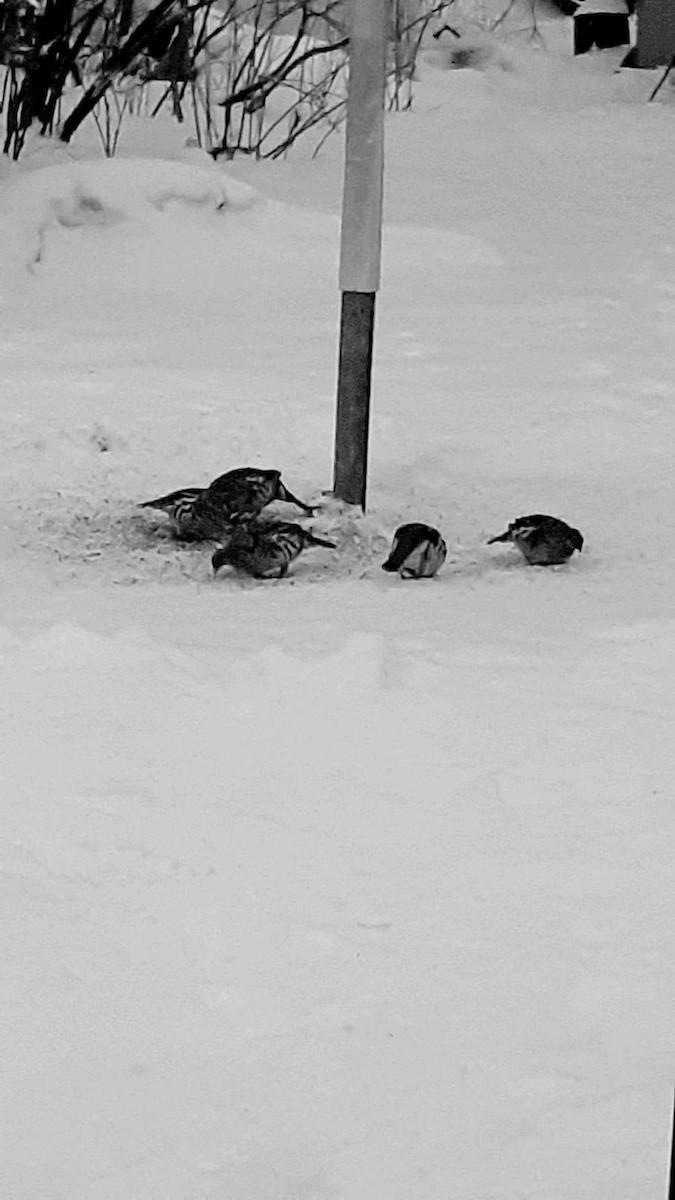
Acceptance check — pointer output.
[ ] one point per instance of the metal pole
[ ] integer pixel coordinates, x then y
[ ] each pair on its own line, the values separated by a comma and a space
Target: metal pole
360, 245
671, 1174
655, 46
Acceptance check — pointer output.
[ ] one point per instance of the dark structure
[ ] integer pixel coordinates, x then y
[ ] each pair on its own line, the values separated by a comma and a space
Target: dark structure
655, 46
601, 23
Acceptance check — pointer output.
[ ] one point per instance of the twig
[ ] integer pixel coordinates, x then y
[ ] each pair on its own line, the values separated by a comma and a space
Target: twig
663, 78
120, 58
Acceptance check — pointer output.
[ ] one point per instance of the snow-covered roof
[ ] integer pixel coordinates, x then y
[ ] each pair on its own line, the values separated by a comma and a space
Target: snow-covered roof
602, 7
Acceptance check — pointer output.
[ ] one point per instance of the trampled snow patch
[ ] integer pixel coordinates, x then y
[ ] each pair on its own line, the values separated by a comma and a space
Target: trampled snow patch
110, 541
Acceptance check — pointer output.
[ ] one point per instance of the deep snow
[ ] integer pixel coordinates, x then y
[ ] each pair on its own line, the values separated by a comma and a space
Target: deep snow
342, 888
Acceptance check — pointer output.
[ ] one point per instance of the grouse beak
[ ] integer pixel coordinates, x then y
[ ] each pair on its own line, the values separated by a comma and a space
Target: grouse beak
502, 537
284, 494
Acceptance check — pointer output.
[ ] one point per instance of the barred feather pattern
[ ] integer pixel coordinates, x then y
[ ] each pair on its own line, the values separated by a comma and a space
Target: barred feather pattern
542, 540
180, 507
173, 501
266, 551
237, 497
242, 493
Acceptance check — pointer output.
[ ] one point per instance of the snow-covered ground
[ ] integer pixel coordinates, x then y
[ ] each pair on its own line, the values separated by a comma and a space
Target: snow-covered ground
342, 888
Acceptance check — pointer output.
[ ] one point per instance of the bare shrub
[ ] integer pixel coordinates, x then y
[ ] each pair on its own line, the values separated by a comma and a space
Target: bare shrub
257, 74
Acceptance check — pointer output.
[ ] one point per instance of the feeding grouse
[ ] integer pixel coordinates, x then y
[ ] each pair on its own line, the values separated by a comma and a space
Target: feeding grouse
417, 552
543, 541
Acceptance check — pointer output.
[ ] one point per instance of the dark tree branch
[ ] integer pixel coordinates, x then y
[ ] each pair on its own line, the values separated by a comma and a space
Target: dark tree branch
118, 61
268, 82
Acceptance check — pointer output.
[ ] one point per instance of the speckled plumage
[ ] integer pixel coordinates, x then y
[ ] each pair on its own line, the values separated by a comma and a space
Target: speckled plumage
238, 496
542, 540
266, 549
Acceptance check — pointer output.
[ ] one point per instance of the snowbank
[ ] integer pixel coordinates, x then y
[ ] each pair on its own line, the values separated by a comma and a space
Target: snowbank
339, 888
283, 927
82, 194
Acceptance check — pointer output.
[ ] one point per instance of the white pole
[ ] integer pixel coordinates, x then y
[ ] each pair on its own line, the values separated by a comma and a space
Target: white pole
361, 239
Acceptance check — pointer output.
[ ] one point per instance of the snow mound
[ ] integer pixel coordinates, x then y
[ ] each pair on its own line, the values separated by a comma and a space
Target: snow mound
67, 645
82, 194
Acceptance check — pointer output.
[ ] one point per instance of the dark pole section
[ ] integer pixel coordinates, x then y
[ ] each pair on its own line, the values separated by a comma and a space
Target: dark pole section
353, 399
655, 33
671, 1181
